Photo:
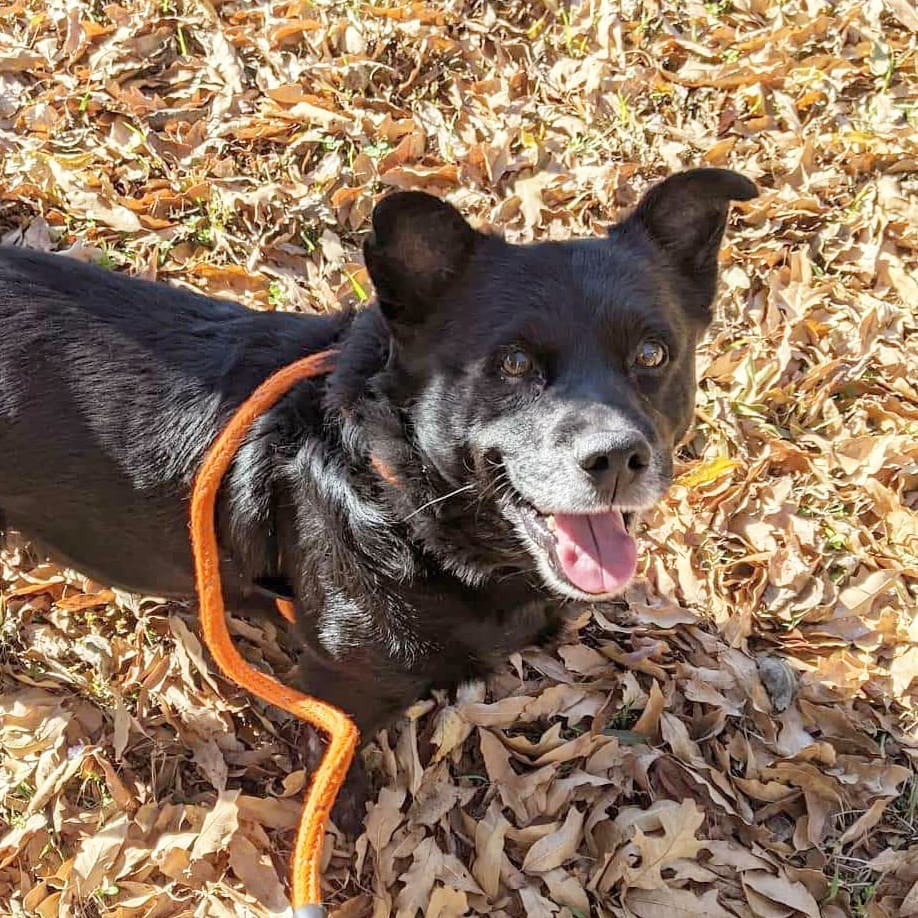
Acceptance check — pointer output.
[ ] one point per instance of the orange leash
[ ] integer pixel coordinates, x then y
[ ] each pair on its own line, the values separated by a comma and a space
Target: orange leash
341, 731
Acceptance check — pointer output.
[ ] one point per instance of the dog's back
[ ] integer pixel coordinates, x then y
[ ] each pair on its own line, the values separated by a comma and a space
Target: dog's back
110, 390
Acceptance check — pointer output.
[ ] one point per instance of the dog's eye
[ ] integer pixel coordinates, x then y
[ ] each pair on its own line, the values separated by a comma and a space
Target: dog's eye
516, 363
651, 355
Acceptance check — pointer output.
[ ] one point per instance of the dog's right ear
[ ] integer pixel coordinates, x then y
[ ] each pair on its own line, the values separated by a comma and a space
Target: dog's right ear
419, 244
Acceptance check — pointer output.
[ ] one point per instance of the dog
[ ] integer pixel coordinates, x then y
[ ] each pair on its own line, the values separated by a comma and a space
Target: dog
493, 425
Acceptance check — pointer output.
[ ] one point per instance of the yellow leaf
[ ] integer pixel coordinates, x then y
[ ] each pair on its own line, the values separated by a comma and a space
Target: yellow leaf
707, 472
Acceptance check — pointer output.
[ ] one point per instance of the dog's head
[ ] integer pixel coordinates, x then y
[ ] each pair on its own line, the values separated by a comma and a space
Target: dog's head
552, 381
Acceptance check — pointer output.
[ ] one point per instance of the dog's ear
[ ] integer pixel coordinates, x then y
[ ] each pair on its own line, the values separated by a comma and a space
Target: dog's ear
418, 245
685, 216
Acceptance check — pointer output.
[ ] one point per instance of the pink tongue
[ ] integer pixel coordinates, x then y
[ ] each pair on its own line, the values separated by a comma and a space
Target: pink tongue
595, 550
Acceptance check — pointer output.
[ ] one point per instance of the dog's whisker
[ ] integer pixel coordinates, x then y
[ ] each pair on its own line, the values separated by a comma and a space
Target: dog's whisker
493, 488
438, 500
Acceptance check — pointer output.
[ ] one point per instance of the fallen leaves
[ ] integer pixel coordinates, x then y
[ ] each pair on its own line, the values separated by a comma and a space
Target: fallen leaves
739, 737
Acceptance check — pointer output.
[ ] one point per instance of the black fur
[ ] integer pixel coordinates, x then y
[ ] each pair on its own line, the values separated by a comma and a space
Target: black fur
111, 390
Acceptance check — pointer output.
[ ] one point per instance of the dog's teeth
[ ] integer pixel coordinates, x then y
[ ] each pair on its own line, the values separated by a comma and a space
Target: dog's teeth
550, 523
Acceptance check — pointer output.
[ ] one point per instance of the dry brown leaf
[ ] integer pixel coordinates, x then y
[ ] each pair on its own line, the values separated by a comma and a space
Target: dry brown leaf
535, 905
781, 890
553, 850
909, 905
257, 873
419, 879
566, 889
220, 826
905, 11
98, 854
657, 852
13, 841
451, 730
681, 903
447, 903
489, 850
385, 817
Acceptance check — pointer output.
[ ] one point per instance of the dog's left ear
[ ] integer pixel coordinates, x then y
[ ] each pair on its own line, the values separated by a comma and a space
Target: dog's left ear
419, 244
685, 216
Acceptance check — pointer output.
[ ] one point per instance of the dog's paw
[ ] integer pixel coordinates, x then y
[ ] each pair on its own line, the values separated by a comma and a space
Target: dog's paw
314, 745
551, 635
349, 811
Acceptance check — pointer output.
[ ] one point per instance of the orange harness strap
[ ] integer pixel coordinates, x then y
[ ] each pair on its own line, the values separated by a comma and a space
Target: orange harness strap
341, 731
287, 610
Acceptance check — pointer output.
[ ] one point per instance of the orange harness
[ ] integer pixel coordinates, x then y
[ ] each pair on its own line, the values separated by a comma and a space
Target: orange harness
341, 731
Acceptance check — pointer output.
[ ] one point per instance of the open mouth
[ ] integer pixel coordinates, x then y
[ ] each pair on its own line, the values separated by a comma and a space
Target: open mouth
592, 552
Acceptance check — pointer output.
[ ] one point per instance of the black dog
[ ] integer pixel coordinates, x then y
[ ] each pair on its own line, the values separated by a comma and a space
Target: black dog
490, 429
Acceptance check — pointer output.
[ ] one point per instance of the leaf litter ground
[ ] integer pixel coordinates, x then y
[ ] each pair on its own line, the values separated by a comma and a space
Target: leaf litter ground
736, 738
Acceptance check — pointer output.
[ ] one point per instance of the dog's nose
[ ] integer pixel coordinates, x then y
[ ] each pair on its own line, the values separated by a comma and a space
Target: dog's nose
615, 464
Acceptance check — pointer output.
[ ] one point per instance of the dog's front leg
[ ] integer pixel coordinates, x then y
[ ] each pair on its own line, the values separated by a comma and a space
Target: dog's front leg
374, 693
